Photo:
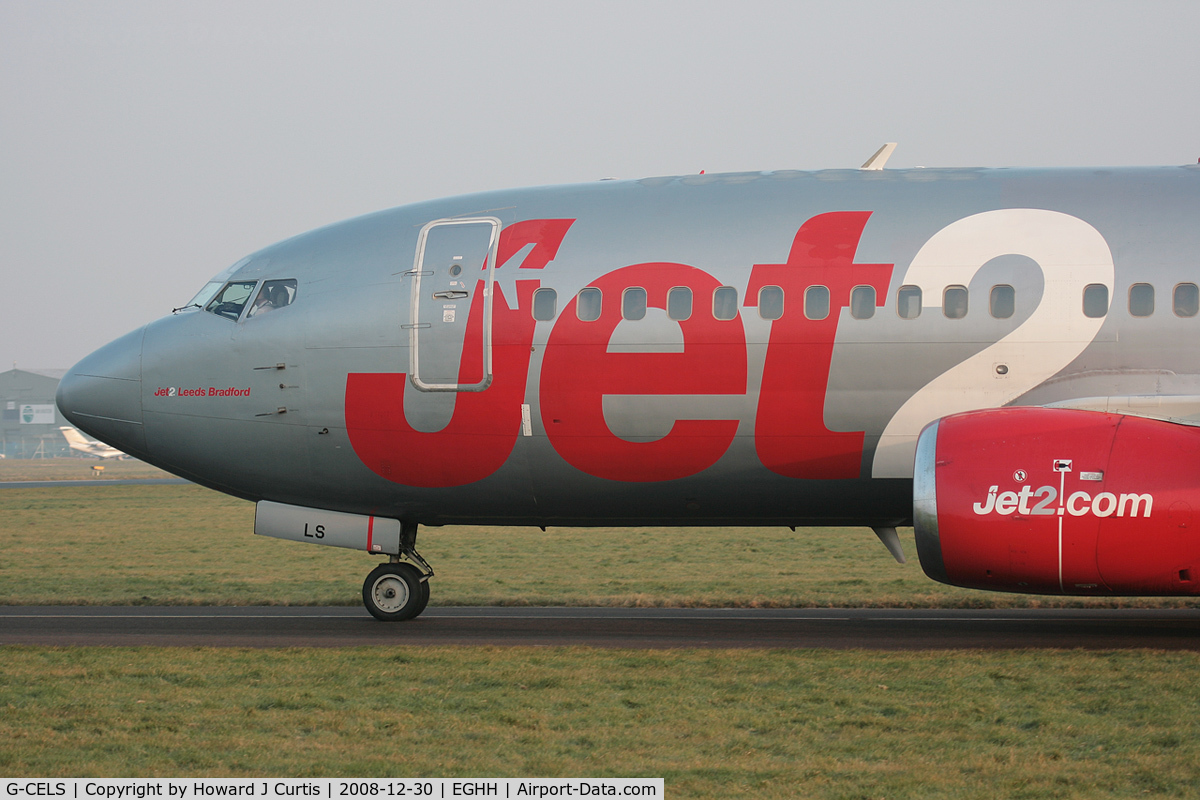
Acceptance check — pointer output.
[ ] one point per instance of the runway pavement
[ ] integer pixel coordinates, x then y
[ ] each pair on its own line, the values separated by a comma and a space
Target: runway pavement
875, 629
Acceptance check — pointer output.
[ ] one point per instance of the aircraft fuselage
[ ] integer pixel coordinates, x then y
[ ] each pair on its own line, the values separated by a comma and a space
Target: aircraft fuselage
759, 348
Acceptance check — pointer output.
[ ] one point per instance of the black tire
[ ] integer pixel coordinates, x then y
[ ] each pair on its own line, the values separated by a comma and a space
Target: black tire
423, 600
395, 592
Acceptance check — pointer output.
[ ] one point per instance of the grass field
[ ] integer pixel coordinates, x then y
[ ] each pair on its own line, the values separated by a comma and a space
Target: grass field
714, 724
189, 545
76, 469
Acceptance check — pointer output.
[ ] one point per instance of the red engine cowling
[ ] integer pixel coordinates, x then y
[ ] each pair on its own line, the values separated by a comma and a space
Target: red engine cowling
1057, 501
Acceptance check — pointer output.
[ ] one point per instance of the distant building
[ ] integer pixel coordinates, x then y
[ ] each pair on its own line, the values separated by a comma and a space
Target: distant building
29, 420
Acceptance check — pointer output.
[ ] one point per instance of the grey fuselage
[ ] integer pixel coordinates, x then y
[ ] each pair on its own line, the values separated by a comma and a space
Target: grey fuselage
315, 404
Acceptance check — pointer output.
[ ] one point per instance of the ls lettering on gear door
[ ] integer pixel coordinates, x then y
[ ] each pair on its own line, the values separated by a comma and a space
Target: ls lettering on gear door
450, 328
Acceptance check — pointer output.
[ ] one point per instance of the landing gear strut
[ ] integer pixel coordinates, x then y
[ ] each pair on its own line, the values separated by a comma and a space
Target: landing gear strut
399, 589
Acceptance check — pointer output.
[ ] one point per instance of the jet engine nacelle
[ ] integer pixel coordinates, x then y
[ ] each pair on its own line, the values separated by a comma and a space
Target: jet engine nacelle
1059, 501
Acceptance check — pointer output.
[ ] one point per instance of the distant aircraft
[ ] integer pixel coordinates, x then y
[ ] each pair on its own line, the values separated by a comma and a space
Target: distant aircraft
97, 449
1003, 358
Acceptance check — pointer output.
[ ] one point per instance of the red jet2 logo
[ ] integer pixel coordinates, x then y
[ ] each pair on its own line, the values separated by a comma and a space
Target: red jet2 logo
578, 372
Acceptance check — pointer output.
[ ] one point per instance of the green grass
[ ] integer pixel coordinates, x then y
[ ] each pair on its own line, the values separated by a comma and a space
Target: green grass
712, 723
768, 724
188, 545
76, 469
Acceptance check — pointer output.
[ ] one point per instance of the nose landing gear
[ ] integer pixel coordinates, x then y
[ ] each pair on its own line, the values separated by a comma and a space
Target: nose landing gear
399, 589
394, 592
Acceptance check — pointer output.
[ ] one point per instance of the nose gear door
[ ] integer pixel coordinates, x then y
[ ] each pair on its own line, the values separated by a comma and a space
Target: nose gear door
450, 320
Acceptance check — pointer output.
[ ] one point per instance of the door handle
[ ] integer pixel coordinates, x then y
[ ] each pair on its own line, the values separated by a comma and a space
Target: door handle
450, 294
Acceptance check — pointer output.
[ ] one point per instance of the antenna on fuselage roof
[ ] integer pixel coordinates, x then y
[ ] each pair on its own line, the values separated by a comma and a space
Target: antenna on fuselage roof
880, 158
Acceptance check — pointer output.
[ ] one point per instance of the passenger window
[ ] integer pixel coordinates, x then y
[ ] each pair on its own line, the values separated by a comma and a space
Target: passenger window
770, 302
954, 302
725, 302
862, 302
1187, 300
816, 302
273, 295
633, 303
1003, 301
1095, 300
588, 306
545, 304
908, 302
1141, 300
679, 303
232, 298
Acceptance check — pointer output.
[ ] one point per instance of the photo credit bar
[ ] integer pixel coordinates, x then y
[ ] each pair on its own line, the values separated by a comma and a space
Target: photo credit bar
329, 788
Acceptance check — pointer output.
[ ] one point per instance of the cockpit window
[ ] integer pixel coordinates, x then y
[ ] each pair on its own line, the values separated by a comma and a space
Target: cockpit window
214, 284
272, 295
232, 298
203, 296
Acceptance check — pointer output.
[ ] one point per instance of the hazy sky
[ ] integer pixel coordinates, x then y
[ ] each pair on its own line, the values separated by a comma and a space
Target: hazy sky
145, 146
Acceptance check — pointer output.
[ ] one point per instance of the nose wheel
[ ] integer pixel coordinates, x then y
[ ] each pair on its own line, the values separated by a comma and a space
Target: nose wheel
395, 592
399, 589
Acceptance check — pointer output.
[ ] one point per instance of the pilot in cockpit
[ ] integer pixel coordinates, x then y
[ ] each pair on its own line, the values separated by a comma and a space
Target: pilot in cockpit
273, 295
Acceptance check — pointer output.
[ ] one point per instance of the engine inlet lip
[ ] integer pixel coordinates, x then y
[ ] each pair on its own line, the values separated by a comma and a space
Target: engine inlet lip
925, 520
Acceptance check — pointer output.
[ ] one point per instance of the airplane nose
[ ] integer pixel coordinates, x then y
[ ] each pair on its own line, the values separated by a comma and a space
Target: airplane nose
102, 394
